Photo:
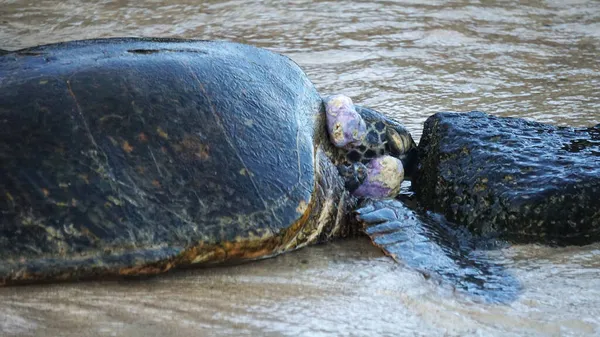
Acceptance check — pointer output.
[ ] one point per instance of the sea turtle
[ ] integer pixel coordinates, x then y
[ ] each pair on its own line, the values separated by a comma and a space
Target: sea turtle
131, 156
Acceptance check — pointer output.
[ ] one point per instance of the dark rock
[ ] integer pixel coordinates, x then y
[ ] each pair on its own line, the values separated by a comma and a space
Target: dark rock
520, 180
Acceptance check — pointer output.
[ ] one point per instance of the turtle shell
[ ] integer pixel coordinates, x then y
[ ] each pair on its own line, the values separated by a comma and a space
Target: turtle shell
128, 156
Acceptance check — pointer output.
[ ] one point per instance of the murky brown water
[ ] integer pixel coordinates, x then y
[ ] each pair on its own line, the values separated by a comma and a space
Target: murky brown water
538, 60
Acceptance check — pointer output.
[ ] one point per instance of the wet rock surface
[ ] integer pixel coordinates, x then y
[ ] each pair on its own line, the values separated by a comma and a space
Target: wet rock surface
520, 180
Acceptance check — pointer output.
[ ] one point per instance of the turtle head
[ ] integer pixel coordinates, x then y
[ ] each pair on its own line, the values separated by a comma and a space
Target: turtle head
366, 134
379, 151
387, 137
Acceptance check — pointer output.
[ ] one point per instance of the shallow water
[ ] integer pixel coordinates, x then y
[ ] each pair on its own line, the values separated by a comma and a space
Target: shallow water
535, 59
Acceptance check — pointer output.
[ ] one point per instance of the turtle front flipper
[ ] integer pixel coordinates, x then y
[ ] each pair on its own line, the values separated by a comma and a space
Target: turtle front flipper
430, 246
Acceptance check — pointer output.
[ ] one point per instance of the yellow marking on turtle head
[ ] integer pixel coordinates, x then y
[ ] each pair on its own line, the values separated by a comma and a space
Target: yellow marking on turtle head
397, 140
43, 81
